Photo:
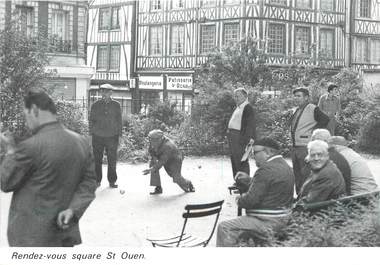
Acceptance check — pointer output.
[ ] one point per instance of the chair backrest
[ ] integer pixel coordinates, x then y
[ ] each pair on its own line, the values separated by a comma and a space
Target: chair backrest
202, 210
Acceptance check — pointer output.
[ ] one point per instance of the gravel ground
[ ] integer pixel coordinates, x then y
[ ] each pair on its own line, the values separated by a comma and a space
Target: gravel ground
118, 219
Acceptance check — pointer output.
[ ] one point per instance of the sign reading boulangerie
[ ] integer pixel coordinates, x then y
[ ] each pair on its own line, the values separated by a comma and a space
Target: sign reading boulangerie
151, 82
179, 82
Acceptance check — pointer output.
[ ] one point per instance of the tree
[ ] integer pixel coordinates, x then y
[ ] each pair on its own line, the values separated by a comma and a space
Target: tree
21, 69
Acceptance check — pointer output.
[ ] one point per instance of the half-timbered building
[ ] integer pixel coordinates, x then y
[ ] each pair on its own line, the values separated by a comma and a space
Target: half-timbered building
365, 40
63, 23
175, 35
110, 50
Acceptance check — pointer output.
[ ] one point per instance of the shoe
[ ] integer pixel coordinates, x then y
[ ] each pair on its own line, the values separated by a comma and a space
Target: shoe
113, 185
157, 190
191, 188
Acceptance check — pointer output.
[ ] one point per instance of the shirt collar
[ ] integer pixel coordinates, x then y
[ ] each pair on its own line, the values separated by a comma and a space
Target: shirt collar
39, 128
242, 105
273, 157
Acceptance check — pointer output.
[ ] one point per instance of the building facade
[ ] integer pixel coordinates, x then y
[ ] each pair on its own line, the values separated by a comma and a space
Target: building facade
364, 42
110, 48
63, 23
175, 35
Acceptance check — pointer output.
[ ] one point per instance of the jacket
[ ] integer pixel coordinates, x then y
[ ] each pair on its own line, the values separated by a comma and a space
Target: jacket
51, 171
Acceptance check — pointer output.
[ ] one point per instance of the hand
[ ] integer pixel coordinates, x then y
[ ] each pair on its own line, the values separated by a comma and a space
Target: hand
64, 218
8, 139
146, 171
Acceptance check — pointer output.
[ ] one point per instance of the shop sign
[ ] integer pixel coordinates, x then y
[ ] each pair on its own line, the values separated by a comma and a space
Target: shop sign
151, 82
179, 82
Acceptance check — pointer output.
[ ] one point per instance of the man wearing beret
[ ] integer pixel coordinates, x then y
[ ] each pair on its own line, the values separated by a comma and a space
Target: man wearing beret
268, 199
105, 127
304, 120
164, 153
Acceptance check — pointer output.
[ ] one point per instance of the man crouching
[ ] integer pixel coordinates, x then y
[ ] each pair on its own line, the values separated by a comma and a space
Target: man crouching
165, 153
268, 199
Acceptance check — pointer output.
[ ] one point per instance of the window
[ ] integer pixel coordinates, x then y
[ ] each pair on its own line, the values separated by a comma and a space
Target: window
364, 8
231, 2
26, 20
155, 40
59, 24
302, 40
231, 33
102, 58
177, 39
375, 51
326, 43
103, 18
303, 3
178, 3
361, 50
208, 3
276, 35
115, 11
114, 58
327, 5
108, 58
109, 18
278, 2
207, 38
155, 5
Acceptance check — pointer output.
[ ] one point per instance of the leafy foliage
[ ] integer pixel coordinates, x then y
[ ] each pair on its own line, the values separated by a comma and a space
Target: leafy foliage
21, 70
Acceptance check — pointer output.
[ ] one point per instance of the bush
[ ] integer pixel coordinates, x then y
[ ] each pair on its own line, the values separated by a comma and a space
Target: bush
72, 116
338, 226
166, 113
369, 139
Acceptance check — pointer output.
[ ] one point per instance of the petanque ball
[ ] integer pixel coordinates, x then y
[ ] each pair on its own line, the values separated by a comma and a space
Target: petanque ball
122, 191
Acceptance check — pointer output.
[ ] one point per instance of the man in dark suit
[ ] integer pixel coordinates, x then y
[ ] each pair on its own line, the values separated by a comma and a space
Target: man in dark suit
52, 177
106, 128
268, 199
325, 181
241, 131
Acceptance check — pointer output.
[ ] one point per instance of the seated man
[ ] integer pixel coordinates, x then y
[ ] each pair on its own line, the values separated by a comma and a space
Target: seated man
339, 160
268, 199
165, 153
362, 180
325, 181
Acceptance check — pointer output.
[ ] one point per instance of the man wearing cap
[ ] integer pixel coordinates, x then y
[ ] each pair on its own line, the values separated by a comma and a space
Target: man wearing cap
304, 120
241, 130
330, 104
105, 127
268, 199
362, 180
165, 153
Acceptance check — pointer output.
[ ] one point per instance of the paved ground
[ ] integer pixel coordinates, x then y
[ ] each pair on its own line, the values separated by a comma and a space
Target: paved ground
116, 220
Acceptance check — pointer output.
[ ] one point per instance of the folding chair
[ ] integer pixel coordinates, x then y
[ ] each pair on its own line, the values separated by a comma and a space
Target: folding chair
187, 240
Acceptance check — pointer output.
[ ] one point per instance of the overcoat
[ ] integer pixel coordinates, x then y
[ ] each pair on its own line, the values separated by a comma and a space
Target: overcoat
51, 171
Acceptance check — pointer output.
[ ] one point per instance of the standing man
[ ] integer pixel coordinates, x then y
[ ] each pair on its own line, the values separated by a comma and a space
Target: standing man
106, 128
305, 119
330, 104
268, 199
52, 177
241, 130
165, 153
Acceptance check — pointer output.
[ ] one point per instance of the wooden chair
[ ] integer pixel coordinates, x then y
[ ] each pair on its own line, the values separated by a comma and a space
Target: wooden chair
187, 240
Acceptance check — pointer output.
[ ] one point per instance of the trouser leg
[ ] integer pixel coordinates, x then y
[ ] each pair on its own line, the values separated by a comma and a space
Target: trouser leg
331, 126
236, 152
111, 149
98, 147
174, 170
300, 168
